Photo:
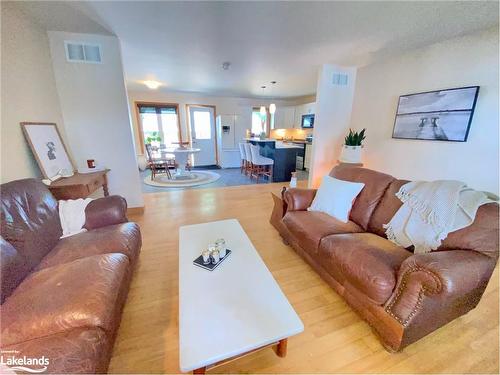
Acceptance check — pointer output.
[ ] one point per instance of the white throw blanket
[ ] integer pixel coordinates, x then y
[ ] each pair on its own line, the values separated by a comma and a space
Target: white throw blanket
72, 216
430, 211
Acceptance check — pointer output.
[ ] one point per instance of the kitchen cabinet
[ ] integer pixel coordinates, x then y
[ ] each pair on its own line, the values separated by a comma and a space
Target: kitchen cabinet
307, 156
284, 118
290, 117
303, 109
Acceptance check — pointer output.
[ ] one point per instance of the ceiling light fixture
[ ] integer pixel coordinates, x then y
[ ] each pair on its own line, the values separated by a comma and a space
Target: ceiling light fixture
272, 106
153, 85
263, 110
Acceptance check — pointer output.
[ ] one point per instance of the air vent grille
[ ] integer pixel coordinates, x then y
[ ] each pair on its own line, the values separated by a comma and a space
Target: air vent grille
83, 52
340, 79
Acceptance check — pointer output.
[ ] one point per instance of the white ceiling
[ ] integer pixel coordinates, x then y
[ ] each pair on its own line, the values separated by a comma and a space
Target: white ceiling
183, 44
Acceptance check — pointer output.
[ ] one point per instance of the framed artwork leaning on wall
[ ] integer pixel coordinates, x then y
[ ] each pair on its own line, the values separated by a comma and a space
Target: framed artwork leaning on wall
48, 148
442, 115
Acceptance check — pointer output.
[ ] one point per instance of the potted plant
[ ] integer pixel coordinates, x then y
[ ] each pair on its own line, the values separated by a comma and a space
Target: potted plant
154, 139
351, 150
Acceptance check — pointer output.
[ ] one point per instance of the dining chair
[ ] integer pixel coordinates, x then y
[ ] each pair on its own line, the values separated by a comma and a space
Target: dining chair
157, 164
262, 166
248, 158
243, 156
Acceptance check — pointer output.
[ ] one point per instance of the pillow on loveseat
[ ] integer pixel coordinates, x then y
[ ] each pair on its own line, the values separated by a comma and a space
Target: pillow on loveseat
336, 197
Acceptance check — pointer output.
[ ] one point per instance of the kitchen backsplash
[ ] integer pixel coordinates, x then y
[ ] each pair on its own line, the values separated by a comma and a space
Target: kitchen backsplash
290, 133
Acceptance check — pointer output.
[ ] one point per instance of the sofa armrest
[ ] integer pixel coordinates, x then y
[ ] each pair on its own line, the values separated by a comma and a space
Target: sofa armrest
105, 211
437, 287
298, 199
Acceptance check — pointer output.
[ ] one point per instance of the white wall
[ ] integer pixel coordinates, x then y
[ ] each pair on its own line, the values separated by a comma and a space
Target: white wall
224, 105
333, 113
28, 90
466, 61
94, 105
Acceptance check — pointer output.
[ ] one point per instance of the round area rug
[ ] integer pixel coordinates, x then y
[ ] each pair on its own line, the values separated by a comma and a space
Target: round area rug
196, 178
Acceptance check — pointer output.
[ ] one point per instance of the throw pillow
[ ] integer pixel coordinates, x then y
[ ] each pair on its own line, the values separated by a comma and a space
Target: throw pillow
336, 197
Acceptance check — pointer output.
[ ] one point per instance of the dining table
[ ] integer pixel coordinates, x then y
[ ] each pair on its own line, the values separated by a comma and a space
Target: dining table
182, 155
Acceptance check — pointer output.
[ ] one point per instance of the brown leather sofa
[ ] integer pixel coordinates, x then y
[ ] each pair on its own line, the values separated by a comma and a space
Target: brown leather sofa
403, 296
62, 298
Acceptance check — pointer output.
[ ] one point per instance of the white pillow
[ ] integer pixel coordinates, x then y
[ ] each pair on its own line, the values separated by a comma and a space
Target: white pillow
336, 197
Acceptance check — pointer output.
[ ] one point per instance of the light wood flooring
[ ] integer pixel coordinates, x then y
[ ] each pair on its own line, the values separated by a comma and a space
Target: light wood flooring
335, 339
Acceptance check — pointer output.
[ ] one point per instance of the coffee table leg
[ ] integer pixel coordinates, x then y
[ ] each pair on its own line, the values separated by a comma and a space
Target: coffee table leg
281, 348
200, 370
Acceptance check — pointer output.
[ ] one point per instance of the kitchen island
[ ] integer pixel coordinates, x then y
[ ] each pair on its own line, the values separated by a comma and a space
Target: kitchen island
284, 156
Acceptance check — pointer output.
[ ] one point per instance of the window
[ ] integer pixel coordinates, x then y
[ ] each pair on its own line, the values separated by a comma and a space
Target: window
202, 125
159, 123
259, 122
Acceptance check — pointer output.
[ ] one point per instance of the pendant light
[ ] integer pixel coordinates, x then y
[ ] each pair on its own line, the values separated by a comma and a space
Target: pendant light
272, 106
263, 110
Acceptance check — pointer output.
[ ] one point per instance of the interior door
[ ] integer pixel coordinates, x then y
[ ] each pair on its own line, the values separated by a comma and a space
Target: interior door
202, 124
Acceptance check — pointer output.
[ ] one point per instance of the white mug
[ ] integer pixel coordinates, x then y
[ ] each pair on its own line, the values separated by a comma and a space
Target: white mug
221, 246
206, 256
215, 256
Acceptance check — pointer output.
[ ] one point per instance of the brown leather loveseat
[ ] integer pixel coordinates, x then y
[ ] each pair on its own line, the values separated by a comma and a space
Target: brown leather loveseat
62, 298
403, 296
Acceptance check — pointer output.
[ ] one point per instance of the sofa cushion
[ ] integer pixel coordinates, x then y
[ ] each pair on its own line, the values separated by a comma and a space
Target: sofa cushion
30, 219
83, 293
309, 228
77, 351
481, 236
366, 261
120, 238
376, 184
335, 197
386, 209
13, 269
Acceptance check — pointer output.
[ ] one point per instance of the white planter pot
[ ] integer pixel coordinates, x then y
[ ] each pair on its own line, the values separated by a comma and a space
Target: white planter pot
142, 162
351, 154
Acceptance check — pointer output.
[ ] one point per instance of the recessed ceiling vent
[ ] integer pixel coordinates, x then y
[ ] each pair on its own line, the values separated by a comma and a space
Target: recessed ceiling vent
339, 79
83, 52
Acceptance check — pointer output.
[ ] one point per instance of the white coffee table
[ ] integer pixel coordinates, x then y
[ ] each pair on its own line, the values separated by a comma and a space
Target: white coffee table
230, 311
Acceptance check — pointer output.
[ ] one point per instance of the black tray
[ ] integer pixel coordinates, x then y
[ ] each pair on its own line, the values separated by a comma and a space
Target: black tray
199, 262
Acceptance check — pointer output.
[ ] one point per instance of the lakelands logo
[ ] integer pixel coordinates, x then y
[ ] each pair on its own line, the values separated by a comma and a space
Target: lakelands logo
35, 365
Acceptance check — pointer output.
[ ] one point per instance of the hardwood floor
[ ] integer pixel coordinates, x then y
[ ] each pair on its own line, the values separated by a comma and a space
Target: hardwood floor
335, 339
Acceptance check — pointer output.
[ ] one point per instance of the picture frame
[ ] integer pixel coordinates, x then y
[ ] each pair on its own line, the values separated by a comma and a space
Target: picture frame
48, 148
439, 115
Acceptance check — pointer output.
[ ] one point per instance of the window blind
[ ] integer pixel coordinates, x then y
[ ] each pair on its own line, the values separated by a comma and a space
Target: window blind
157, 109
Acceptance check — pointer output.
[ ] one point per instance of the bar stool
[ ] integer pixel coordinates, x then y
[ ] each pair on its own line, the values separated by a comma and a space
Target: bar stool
243, 156
261, 166
248, 158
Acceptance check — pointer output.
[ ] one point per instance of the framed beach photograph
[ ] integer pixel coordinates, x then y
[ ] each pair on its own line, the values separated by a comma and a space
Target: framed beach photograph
48, 148
443, 115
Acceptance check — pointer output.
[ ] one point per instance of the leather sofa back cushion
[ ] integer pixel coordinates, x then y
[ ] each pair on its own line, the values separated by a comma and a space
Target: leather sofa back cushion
481, 236
30, 219
13, 269
387, 207
376, 184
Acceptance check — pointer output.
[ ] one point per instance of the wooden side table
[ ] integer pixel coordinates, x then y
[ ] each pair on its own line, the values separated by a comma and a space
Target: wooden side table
342, 164
80, 185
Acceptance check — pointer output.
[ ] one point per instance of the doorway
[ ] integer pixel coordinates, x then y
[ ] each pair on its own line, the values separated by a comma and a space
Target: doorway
202, 134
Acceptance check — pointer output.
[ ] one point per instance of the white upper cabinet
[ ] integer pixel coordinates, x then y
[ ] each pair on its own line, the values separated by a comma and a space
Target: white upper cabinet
291, 117
284, 117
303, 109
